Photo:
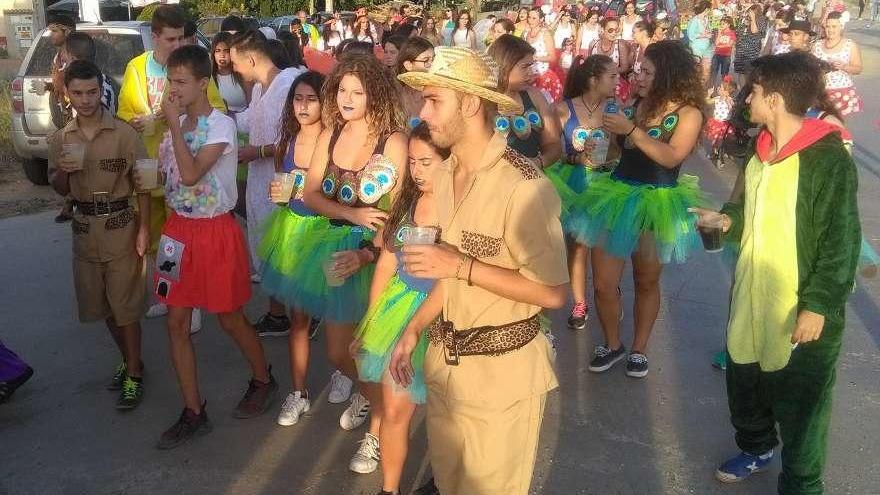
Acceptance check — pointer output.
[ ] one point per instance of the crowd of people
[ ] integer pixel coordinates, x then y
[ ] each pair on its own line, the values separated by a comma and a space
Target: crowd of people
424, 200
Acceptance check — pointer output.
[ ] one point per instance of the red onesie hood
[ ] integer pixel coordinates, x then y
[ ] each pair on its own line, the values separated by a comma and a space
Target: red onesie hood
811, 131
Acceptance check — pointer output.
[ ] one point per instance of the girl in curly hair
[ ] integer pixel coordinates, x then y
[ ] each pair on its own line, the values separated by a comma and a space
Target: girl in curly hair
640, 211
352, 175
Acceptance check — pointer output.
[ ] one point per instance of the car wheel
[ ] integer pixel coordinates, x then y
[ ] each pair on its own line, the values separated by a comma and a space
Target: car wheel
37, 171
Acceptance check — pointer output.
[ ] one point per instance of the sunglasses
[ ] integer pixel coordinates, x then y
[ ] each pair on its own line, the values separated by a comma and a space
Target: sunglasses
610, 30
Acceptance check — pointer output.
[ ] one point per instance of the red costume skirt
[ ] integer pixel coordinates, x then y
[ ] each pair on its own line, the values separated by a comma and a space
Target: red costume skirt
716, 130
846, 100
203, 263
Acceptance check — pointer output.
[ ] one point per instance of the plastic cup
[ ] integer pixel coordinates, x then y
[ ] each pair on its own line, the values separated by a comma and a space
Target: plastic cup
287, 182
74, 152
147, 170
149, 122
333, 280
710, 227
416, 236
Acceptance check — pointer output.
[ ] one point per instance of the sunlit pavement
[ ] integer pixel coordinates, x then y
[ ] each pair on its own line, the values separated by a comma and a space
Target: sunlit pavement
603, 434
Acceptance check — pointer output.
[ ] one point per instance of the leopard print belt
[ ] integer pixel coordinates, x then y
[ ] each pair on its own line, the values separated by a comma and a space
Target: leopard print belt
482, 341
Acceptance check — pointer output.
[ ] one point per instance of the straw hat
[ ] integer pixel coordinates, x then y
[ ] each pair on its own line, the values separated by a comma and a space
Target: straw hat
465, 71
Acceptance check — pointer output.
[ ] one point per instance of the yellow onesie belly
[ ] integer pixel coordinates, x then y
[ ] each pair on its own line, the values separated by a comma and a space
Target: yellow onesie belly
765, 292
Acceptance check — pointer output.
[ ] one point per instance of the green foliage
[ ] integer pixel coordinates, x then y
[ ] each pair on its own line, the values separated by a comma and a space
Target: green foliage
190, 6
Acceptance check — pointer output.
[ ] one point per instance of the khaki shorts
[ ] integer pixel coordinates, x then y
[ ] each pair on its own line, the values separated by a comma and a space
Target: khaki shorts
110, 289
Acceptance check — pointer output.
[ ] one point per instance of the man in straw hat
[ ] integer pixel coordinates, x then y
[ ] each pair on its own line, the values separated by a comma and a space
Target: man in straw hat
501, 261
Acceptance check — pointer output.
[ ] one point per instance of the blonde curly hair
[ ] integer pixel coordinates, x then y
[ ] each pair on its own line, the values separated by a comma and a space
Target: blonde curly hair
384, 105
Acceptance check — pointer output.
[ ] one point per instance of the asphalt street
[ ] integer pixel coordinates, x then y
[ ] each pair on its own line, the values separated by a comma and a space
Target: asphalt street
602, 434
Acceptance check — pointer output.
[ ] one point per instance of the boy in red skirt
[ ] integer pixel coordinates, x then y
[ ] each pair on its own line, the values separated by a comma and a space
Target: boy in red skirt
203, 259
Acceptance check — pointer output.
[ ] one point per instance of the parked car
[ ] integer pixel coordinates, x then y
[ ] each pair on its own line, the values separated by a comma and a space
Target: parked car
117, 42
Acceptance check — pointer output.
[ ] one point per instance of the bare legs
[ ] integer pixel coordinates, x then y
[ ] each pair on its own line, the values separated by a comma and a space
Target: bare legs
298, 346
184, 358
397, 411
607, 272
128, 341
578, 261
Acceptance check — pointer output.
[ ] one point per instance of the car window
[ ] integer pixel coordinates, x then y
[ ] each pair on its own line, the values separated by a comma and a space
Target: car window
113, 53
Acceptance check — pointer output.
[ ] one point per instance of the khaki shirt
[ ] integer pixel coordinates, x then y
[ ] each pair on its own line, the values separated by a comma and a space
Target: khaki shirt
508, 217
107, 168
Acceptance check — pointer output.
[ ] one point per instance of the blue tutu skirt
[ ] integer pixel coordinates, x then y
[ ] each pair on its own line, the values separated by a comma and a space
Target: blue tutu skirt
618, 213
295, 248
572, 182
380, 330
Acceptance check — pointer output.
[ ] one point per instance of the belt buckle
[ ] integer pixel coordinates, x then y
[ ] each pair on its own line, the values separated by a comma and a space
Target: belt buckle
101, 204
450, 344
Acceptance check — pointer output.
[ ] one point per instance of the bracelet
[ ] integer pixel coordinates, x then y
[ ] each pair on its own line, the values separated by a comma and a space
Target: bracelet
461, 259
471, 272
631, 131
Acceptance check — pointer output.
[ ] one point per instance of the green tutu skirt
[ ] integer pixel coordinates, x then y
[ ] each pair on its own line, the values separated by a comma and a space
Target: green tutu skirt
294, 248
380, 330
618, 213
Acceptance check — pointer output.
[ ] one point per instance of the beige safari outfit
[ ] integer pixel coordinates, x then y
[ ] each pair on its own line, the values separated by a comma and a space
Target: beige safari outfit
107, 271
485, 406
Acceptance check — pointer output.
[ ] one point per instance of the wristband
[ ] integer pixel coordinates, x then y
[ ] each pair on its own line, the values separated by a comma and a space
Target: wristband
631, 131
461, 259
470, 272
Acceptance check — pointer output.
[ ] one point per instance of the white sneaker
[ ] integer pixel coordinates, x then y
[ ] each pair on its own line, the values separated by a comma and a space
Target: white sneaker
196, 321
356, 412
157, 310
294, 406
256, 278
367, 457
340, 388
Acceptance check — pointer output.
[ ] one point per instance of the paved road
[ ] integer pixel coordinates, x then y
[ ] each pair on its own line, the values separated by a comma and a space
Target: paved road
602, 434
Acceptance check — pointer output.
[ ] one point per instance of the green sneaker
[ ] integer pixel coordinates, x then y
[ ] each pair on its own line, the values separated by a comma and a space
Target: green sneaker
131, 395
118, 378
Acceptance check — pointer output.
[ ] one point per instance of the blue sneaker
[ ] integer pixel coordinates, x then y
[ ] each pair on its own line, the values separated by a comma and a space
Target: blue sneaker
742, 466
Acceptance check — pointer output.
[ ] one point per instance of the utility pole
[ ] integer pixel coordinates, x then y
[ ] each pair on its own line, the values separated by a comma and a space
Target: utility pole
39, 16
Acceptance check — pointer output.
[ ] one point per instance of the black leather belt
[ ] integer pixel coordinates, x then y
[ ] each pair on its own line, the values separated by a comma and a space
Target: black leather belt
100, 208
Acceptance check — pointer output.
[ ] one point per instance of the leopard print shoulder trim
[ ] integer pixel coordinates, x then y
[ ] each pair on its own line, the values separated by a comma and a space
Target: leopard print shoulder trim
521, 163
480, 246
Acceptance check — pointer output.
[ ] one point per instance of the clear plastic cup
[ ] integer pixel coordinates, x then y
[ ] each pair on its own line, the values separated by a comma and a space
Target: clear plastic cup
420, 236
149, 122
287, 182
147, 170
333, 280
74, 152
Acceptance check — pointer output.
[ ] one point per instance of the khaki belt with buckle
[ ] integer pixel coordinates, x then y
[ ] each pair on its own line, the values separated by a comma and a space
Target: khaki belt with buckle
482, 341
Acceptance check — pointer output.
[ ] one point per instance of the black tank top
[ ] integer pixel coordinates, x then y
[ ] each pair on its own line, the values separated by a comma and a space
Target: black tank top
636, 167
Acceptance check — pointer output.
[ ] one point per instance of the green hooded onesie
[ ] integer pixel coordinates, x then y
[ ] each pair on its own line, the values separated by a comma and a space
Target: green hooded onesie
797, 230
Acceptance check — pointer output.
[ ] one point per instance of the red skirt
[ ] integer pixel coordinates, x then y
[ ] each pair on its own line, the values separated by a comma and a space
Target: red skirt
203, 263
716, 130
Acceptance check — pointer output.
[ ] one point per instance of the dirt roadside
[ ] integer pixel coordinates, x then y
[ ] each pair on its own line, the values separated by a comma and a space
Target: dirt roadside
18, 196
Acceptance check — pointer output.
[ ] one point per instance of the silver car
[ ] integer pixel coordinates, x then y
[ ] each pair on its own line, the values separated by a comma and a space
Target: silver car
117, 43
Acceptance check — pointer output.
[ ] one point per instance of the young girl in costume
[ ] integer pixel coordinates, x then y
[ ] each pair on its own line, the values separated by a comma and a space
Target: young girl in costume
356, 164
292, 230
535, 133
718, 127
640, 211
394, 298
588, 89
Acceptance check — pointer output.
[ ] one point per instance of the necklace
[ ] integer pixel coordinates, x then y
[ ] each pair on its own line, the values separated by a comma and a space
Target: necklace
831, 48
590, 110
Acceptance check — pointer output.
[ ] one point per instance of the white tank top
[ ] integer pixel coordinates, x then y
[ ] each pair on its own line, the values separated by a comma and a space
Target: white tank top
837, 79
460, 38
589, 36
